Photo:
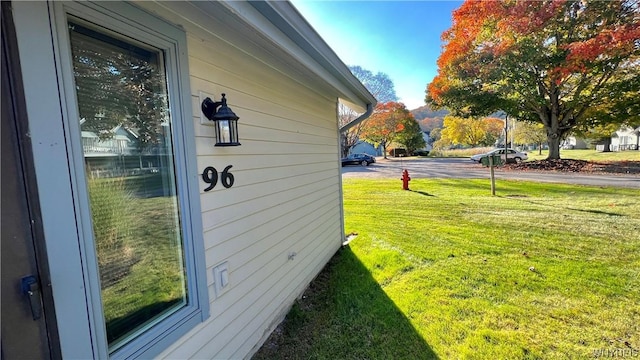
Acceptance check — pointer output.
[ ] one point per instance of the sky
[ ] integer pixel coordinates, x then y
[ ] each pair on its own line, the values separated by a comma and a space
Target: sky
398, 38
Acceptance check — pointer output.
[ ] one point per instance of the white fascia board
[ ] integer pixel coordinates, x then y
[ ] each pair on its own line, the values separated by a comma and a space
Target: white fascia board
281, 22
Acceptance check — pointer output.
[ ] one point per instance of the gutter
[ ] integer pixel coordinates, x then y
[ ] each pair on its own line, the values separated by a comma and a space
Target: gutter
295, 27
359, 119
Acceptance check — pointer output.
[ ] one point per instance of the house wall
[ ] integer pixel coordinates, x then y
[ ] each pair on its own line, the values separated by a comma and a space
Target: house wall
365, 148
286, 196
275, 228
575, 143
625, 139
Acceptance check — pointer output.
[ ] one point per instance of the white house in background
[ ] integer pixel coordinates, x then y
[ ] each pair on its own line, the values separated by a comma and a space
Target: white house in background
365, 147
572, 142
626, 139
427, 140
202, 255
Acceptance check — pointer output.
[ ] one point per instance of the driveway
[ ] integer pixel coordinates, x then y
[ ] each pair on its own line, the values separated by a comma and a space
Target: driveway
420, 168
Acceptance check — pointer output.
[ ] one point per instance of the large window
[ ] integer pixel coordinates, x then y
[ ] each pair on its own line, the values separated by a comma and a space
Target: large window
122, 98
131, 123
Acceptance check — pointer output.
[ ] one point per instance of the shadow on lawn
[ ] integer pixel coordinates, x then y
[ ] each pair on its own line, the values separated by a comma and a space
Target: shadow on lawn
421, 192
591, 211
345, 314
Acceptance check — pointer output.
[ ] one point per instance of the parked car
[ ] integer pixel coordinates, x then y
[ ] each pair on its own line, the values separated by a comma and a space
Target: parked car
358, 159
512, 155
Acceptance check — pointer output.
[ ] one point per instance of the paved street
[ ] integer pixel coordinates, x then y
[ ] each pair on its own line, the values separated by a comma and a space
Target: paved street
465, 169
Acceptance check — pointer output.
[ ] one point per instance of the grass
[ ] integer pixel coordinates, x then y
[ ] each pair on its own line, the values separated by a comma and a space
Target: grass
447, 271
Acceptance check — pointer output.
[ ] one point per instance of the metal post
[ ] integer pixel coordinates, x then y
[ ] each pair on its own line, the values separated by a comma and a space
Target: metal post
513, 133
493, 178
506, 136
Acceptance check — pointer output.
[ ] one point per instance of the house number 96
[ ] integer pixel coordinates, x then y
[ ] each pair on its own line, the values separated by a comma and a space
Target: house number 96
210, 176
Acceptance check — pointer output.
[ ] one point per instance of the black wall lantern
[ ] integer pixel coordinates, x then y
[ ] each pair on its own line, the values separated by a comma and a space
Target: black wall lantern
225, 120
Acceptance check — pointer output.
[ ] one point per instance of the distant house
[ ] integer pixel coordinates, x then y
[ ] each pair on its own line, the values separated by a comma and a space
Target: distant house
164, 238
626, 139
573, 142
365, 147
120, 153
427, 140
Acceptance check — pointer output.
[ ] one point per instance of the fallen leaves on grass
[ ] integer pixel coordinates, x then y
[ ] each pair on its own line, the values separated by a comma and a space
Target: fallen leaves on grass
569, 165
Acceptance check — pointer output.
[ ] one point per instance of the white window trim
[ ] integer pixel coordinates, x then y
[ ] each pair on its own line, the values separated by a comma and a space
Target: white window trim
58, 152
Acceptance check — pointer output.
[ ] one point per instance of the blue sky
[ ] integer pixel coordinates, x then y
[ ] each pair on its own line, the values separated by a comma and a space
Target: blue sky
399, 38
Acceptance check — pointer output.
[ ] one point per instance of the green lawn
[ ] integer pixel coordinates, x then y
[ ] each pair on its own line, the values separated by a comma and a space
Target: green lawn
449, 271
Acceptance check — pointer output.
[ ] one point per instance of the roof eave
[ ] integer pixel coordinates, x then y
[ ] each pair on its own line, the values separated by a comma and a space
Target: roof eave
291, 23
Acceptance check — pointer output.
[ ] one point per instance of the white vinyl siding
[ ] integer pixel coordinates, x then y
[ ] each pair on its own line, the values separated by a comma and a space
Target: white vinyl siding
58, 152
275, 228
286, 195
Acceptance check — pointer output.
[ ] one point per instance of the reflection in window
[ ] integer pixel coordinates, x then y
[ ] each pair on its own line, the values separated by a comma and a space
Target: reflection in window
129, 164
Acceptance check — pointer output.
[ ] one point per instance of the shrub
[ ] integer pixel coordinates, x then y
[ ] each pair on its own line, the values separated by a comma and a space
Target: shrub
113, 213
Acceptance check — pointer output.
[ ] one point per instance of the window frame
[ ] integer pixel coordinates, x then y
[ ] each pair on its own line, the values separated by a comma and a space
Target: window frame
127, 21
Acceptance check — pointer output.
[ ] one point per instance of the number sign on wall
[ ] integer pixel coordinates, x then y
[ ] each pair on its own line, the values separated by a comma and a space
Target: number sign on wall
210, 176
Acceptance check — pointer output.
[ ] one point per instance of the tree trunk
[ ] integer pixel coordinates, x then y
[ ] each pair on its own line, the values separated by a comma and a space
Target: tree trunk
554, 147
344, 148
555, 134
607, 144
551, 118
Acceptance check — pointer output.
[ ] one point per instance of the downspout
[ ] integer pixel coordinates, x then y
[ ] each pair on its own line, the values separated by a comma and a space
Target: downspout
359, 119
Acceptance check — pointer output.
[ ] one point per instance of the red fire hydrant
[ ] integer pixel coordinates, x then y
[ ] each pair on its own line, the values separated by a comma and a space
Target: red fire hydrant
405, 180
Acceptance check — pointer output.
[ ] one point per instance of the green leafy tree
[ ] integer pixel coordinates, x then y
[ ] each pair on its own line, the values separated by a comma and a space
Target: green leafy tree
551, 62
435, 134
411, 135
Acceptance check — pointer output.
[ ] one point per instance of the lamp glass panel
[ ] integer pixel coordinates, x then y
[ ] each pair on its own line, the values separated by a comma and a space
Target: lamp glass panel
234, 132
225, 131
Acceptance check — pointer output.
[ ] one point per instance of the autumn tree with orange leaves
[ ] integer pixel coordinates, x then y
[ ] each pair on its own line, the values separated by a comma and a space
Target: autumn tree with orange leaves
386, 122
564, 64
